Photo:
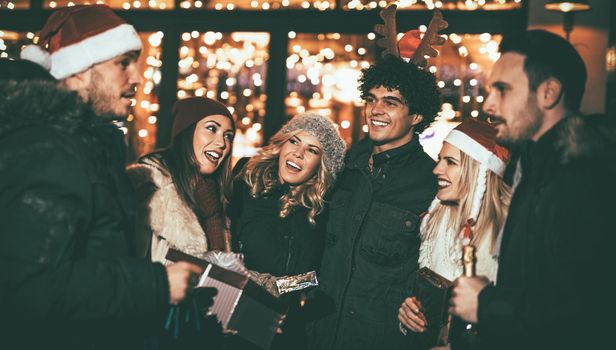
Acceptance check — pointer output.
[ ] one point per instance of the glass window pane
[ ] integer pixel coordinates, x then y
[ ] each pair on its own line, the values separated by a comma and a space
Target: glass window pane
231, 68
322, 73
116, 4
141, 124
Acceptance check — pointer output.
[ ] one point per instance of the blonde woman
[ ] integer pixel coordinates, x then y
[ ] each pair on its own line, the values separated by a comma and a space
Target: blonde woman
278, 196
471, 203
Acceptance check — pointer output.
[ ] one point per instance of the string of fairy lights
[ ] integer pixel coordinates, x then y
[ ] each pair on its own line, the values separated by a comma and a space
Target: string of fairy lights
265, 5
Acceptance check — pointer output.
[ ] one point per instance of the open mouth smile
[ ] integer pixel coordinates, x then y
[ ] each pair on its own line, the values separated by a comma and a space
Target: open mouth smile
213, 156
293, 166
378, 123
442, 184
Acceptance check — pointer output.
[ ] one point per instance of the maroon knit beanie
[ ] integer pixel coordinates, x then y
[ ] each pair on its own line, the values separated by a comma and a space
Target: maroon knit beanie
191, 110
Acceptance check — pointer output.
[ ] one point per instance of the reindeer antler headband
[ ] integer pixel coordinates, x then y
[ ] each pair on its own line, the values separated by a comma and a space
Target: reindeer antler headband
410, 46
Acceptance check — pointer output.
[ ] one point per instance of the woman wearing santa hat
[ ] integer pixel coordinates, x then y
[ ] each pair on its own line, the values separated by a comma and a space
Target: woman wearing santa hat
182, 190
471, 204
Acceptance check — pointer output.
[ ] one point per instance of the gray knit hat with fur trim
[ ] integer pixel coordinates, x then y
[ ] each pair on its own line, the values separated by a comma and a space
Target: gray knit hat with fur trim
324, 130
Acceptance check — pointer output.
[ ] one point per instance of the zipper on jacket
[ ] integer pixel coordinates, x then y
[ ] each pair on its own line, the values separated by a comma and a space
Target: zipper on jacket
289, 254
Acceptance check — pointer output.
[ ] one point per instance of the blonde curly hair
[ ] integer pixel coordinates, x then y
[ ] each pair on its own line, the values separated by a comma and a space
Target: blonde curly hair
261, 175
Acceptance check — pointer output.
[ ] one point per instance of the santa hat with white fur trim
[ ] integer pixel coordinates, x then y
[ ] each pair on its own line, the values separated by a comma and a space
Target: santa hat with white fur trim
478, 140
78, 37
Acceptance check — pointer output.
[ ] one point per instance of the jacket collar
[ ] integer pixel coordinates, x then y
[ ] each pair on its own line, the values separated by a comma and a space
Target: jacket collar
572, 138
359, 154
38, 103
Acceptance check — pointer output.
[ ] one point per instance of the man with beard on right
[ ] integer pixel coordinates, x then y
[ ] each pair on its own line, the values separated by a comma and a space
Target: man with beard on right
554, 261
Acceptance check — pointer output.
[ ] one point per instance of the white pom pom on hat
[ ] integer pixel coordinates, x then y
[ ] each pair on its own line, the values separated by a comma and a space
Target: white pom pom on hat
36, 54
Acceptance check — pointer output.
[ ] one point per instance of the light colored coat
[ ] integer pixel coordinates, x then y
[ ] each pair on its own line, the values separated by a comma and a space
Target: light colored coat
164, 218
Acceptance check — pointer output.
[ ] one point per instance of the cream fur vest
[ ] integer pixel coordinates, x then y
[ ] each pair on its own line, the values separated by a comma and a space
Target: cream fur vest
169, 221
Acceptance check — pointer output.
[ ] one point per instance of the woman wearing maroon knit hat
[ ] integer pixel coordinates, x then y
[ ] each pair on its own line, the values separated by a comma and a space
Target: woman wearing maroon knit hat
182, 190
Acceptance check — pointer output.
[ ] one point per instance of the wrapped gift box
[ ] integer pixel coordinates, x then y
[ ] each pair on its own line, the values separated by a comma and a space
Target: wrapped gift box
241, 305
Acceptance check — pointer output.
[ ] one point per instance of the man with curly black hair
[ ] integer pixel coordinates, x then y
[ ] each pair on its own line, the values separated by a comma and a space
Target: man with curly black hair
372, 242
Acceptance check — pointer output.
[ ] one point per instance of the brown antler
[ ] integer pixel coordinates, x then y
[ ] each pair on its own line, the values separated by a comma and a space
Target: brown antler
388, 31
430, 38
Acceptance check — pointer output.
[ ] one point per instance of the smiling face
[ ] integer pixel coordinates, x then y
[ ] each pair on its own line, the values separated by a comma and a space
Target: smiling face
387, 116
112, 85
299, 159
212, 142
448, 171
512, 106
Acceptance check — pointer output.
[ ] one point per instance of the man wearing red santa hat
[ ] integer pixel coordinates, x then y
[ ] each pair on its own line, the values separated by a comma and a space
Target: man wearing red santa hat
69, 278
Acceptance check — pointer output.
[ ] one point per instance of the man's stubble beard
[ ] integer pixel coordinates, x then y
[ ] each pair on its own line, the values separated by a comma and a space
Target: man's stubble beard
528, 123
102, 102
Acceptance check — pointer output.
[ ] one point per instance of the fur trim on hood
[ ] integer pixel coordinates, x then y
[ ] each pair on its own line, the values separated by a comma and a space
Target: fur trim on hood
586, 136
33, 103
43, 104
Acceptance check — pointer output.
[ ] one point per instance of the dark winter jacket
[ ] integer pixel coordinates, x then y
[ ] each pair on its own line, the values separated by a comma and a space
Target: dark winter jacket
557, 256
277, 246
68, 278
271, 244
372, 247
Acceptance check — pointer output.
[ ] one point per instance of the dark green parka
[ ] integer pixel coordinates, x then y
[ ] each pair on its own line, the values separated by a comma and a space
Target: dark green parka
371, 247
68, 279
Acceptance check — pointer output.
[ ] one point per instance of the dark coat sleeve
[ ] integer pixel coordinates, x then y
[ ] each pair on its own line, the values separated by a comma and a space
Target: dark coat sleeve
236, 206
144, 189
64, 254
573, 308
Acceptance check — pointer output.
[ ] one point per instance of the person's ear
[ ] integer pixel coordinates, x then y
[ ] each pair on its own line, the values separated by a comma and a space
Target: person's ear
550, 93
78, 81
416, 119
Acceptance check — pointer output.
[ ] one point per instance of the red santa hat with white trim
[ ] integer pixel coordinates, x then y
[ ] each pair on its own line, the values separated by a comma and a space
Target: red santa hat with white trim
78, 37
478, 140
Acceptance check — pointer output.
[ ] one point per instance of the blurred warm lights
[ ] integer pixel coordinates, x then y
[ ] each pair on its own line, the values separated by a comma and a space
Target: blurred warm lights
321, 5
232, 69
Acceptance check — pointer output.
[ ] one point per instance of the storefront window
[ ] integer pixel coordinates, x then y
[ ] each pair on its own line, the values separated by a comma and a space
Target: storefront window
141, 125
322, 73
231, 68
